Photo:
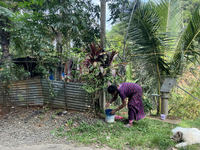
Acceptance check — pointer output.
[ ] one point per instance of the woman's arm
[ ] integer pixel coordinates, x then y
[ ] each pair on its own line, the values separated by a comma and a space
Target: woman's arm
120, 107
112, 100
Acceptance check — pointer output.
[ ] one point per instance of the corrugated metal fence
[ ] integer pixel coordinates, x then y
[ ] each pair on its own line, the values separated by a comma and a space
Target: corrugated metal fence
55, 94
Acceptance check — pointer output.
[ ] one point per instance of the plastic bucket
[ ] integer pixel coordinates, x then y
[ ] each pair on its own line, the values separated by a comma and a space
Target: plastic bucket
109, 118
162, 116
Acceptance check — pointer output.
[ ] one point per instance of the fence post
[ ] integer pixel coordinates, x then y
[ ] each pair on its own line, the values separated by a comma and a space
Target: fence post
27, 93
66, 97
103, 99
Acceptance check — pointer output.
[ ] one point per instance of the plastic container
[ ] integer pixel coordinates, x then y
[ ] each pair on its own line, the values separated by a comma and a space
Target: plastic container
109, 118
162, 116
118, 117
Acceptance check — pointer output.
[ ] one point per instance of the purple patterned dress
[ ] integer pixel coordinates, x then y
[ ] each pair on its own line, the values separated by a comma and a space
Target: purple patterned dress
134, 94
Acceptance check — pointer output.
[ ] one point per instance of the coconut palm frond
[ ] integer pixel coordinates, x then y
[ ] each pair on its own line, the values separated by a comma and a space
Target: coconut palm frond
184, 46
5, 12
144, 34
169, 12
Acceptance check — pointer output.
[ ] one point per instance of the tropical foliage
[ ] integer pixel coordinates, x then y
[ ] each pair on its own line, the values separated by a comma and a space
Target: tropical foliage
44, 30
5, 26
159, 43
187, 9
162, 37
10, 72
100, 69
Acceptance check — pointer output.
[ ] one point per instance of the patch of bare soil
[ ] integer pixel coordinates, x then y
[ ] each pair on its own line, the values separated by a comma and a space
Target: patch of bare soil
3, 111
32, 126
169, 118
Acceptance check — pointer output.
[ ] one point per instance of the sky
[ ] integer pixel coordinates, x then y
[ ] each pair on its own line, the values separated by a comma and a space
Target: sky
108, 23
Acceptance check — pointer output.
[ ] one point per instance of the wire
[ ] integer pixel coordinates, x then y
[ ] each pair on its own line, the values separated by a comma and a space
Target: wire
164, 53
185, 98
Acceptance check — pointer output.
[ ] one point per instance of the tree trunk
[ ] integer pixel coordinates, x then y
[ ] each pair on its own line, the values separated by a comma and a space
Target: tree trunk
123, 68
59, 51
103, 43
103, 23
5, 45
5, 51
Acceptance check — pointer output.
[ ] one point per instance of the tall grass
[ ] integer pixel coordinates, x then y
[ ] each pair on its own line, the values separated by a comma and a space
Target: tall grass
183, 104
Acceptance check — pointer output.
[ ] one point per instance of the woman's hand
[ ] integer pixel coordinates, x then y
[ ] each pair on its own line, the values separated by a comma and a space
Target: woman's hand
107, 105
113, 111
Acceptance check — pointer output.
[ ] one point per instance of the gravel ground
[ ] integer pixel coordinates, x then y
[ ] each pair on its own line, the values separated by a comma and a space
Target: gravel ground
16, 129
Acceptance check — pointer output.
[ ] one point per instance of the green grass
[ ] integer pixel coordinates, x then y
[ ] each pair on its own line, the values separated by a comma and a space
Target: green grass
145, 134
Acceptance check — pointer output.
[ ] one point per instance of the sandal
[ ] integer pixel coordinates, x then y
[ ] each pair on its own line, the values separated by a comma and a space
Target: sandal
128, 125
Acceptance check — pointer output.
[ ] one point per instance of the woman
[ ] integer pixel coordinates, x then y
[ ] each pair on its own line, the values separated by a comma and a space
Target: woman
134, 94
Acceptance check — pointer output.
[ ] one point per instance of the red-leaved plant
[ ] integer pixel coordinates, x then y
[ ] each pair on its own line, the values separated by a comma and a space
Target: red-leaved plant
99, 61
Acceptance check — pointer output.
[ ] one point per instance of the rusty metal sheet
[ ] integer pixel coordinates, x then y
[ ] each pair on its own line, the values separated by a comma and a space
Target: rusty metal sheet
37, 92
26, 92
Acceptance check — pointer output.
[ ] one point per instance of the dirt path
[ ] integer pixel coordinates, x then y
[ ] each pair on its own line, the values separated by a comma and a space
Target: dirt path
23, 129
52, 147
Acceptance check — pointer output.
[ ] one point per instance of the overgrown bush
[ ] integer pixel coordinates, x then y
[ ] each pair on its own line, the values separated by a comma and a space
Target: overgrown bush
147, 104
184, 105
10, 72
100, 68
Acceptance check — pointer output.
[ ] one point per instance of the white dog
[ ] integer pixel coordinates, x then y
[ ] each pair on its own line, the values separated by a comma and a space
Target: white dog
187, 136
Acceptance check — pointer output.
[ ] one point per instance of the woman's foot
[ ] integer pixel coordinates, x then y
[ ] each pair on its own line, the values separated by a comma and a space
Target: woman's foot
128, 125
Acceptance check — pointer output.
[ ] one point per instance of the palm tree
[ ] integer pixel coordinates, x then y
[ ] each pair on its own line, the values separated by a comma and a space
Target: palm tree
161, 46
159, 43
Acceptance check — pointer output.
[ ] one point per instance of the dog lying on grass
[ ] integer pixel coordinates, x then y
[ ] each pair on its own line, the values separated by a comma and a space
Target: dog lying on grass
187, 136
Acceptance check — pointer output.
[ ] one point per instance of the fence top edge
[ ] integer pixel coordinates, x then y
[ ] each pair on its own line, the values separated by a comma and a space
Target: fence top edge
62, 82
